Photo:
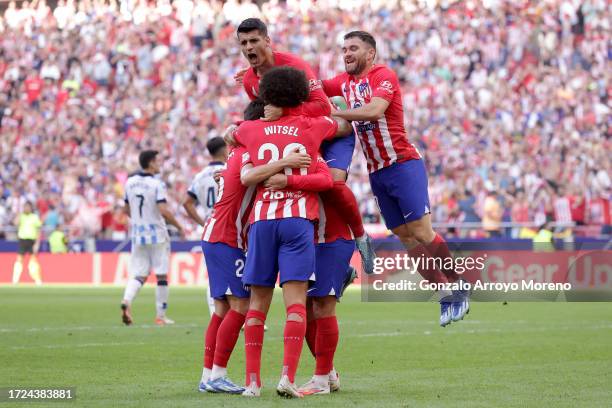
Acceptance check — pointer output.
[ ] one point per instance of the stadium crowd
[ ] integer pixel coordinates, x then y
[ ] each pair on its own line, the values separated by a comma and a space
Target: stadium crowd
507, 100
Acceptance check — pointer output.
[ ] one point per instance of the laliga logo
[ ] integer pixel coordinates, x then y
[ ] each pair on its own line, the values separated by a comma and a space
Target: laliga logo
314, 84
386, 85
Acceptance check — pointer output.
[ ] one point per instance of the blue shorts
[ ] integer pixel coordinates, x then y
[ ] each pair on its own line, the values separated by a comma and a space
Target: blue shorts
338, 153
401, 192
285, 245
225, 265
333, 260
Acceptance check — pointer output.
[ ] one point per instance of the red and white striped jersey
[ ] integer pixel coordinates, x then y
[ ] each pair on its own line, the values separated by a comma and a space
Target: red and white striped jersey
229, 220
563, 212
269, 141
331, 227
384, 141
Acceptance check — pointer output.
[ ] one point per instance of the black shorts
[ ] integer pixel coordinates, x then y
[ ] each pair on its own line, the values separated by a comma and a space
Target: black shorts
26, 246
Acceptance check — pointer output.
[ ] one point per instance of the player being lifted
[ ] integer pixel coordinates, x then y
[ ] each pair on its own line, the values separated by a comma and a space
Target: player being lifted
281, 236
146, 205
256, 47
397, 172
223, 244
204, 191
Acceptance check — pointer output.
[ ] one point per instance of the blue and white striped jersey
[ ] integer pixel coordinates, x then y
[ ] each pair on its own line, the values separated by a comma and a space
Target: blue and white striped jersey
143, 192
204, 190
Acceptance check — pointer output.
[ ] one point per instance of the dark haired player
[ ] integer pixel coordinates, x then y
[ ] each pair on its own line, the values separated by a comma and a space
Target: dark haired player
255, 45
223, 244
333, 251
145, 204
281, 236
397, 171
204, 190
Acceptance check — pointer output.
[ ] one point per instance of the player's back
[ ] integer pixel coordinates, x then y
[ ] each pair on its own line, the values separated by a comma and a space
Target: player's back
331, 225
228, 220
270, 141
204, 189
143, 192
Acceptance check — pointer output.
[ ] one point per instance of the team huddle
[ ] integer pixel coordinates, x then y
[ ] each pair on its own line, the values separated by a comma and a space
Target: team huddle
283, 212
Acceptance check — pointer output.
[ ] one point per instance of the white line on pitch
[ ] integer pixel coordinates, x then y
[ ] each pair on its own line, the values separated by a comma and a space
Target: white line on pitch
79, 345
87, 328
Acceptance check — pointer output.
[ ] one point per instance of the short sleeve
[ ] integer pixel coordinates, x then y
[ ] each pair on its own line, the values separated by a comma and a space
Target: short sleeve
384, 84
191, 191
325, 127
161, 196
240, 134
332, 87
248, 82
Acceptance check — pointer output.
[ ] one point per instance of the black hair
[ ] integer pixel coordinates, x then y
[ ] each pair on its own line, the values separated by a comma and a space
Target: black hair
363, 36
214, 145
284, 87
254, 110
251, 24
146, 157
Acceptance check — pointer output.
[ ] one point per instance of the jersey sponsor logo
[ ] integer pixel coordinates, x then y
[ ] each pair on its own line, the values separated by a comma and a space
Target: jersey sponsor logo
363, 126
386, 86
314, 84
281, 195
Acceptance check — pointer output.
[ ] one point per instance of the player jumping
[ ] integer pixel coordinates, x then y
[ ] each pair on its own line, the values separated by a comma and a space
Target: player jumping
256, 47
397, 172
145, 204
281, 237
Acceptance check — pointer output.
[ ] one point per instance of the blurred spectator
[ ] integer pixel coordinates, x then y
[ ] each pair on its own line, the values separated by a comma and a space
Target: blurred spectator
58, 242
492, 213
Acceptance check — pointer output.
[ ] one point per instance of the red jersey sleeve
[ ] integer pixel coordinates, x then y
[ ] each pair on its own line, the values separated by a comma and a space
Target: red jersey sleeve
320, 180
333, 86
384, 84
324, 127
241, 134
250, 82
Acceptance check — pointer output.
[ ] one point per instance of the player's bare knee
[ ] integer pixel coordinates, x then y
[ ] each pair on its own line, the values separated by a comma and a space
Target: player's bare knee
324, 307
162, 278
424, 235
338, 175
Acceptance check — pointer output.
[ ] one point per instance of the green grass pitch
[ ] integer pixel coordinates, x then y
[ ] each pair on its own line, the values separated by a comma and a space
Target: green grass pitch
390, 354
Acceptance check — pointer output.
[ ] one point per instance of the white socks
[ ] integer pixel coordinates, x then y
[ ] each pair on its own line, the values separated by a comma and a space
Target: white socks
131, 290
321, 379
17, 269
161, 298
206, 373
218, 372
